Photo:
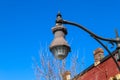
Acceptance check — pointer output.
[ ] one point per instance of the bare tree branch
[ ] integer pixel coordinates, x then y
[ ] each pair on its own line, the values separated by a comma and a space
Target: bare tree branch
50, 68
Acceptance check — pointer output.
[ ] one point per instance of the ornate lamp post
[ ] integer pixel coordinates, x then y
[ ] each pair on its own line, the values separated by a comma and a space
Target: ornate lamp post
60, 48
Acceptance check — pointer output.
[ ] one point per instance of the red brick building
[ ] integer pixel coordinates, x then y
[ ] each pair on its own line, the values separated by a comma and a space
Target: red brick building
104, 68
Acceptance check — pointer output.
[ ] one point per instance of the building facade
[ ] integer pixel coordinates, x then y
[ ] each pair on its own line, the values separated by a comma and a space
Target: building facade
104, 68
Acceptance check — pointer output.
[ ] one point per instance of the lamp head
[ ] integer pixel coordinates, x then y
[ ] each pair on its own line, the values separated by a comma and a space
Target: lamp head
59, 46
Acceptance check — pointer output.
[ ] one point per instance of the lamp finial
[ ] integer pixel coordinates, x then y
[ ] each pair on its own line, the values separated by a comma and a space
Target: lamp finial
59, 18
59, 14
117, 35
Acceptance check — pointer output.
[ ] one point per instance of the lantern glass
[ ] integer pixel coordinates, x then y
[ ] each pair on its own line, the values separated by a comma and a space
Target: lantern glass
60, 52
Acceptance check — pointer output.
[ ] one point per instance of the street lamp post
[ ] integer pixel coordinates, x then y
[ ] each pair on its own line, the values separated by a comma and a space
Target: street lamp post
60, 48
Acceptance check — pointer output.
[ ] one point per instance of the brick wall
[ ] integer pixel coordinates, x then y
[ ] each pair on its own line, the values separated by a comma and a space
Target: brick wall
103, 71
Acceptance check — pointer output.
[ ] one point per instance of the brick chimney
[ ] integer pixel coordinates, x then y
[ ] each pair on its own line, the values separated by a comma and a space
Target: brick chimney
98, 56
66, 75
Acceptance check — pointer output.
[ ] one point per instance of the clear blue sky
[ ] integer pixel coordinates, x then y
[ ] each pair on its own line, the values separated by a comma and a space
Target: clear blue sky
25, 24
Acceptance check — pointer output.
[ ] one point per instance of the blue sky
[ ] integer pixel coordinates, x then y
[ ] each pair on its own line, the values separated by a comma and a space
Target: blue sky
25, 25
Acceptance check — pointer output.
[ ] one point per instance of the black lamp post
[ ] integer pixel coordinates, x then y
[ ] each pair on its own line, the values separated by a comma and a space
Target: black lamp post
60, 48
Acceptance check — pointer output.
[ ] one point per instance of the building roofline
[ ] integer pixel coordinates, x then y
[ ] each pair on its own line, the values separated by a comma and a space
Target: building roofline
91, 66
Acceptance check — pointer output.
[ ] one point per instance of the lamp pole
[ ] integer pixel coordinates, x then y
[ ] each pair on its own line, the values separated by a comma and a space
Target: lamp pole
60, 48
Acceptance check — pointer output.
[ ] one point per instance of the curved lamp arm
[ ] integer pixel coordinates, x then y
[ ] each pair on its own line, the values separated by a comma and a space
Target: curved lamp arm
96, 37
88, 31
